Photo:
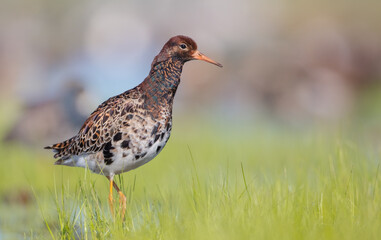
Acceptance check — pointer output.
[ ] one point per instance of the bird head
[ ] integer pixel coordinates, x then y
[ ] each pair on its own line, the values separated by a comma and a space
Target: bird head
182, 48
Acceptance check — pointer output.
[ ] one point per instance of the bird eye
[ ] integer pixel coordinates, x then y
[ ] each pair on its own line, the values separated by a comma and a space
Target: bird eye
183, 46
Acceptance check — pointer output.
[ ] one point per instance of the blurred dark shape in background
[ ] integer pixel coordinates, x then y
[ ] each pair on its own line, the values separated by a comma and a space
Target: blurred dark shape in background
51, 119
21, 197
289, 61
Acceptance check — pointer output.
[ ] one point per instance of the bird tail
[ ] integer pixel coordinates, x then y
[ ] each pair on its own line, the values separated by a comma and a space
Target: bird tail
62, 149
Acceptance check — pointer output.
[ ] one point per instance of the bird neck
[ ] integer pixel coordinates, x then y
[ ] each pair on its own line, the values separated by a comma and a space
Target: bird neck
160, 86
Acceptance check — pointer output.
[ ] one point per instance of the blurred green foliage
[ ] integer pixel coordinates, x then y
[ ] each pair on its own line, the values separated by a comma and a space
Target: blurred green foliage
210, 182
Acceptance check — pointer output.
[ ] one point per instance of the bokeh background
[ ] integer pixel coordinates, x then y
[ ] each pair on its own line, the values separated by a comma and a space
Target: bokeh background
292, 64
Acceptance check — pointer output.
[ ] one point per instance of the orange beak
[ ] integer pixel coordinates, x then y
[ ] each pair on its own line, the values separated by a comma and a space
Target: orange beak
199, 56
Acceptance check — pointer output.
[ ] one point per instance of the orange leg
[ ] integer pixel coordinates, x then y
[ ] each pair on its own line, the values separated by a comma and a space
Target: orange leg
122, 197
110, 199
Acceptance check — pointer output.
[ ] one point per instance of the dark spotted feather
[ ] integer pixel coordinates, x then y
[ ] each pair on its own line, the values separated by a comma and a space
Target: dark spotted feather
100, 127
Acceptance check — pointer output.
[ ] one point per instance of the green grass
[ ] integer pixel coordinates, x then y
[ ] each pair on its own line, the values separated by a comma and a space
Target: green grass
248, 183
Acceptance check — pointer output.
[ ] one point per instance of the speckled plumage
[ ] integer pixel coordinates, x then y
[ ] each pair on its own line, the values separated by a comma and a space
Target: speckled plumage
130, 129
127, 130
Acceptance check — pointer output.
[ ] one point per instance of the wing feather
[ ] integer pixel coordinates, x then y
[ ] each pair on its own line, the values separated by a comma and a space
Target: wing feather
99, 128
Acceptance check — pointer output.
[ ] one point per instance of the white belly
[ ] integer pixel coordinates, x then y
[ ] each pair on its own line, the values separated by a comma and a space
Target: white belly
124, 161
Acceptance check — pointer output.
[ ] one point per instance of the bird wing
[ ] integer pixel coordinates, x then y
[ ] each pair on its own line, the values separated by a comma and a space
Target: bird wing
99, 128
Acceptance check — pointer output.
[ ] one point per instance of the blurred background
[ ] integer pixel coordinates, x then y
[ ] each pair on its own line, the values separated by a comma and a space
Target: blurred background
295, 63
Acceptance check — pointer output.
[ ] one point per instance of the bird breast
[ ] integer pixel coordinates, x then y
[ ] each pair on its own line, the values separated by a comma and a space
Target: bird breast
135, 145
